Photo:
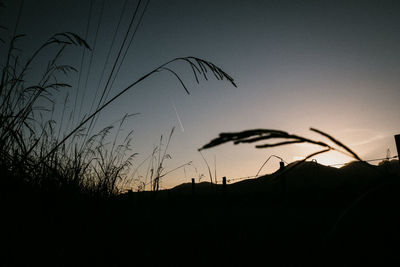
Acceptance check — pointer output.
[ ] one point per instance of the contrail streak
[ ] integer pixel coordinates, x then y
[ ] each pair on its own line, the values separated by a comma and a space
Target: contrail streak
179, 119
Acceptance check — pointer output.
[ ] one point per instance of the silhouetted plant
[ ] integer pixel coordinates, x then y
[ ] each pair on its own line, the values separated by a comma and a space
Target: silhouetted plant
199, 67
156, 168
208, 168
32, 149
256, 135
160, 167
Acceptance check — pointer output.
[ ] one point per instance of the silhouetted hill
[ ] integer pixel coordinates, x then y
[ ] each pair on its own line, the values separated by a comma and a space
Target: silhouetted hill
304, 176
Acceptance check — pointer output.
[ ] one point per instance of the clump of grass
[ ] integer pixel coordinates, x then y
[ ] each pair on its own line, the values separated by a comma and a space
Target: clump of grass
34, 151
26, 138
24, 135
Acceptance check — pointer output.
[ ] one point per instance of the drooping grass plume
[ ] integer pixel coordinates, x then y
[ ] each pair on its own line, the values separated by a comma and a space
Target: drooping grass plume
336, 142
39, 151
256, 135
197, 64
251, 136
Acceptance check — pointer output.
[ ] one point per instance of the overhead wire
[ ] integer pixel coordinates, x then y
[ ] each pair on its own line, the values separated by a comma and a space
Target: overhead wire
126, 51
115, 64
21, 6
111, 45
82, 59
5, 73
91, 55
107, 90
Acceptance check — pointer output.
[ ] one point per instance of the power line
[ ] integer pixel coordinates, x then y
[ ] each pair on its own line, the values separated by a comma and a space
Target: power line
21, 6
91, 57
106, 90
112, 44
93, 120
82, 60
127, 49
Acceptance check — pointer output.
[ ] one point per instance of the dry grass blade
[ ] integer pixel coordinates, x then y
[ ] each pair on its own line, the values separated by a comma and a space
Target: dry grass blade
314, 154
208, 166
238, 137
261, 134
218, 72
265, 162
336, 142
251, 136
176, 76
177, 168
306, 158
203, 65
259, 138
69, 38
280, 144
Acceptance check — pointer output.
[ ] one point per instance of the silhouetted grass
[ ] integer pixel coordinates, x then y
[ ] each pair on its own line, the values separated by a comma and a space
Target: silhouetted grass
256, 135
36, 152
59, 189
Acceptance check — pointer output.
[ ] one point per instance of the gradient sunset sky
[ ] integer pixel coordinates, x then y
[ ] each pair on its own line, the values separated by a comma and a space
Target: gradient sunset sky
332, 65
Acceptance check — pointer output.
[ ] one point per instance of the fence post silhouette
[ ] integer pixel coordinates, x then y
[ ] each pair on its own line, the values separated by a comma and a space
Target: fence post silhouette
397, 139
224, 185
130, 194
281, 165
193, 186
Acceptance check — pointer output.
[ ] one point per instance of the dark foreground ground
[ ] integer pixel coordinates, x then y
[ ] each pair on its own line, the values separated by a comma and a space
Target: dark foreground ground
248, 224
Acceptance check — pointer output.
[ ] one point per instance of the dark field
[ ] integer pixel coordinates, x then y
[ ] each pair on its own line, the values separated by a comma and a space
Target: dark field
339, 219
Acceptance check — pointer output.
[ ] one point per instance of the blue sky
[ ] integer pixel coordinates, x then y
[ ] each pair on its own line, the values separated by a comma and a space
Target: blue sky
332, 65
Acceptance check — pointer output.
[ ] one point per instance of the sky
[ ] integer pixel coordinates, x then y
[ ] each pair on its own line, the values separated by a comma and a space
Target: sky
331, 65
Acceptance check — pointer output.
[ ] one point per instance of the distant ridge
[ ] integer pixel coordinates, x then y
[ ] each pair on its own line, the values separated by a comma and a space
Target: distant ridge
304, 176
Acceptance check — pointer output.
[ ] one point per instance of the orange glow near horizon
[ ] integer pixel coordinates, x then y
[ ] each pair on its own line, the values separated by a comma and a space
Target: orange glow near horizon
332, 158
239, 161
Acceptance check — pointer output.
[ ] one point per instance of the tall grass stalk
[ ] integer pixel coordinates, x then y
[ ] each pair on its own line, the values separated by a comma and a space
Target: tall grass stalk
37, 151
